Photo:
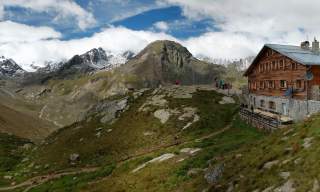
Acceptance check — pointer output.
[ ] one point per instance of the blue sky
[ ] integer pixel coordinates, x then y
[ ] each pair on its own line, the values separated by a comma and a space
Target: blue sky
135, 15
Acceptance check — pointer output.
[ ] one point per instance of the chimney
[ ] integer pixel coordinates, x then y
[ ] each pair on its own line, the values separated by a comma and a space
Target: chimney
315, 46
305, 45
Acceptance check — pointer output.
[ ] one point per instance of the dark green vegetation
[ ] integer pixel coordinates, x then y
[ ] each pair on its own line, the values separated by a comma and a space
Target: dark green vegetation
74, 183
12, 151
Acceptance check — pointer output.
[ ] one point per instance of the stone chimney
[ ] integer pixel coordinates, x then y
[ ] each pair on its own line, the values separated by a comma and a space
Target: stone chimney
305, 45
315, 46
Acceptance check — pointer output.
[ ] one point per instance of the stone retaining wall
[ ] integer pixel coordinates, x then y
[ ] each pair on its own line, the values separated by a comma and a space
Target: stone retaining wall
296, 109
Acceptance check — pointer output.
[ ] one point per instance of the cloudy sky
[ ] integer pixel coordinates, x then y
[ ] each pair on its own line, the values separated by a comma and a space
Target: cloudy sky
35, 31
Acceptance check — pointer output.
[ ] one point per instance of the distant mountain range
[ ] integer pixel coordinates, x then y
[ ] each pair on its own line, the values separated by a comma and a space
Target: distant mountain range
242, 63
95, 59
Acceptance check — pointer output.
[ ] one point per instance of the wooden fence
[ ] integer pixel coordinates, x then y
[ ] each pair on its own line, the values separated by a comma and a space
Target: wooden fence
259, 121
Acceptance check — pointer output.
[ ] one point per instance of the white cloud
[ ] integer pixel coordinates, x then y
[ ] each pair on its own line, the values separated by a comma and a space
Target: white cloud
64, 9
39, 48
161, 25
15, 32
247, 23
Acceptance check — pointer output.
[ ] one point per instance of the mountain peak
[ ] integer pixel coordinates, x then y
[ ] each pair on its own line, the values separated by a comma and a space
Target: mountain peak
166, 62
161, 46
9, 68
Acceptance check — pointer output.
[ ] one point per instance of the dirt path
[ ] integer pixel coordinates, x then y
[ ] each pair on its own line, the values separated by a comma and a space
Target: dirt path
35, 181
30, 183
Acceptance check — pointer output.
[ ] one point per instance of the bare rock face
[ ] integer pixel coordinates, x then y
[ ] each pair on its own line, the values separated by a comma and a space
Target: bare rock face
110, 109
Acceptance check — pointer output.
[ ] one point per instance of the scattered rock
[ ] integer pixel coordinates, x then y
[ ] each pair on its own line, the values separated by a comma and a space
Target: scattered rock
213, 175
99, 129
297, 161
81, 139
180, 160
284, 175
286, 187
226, 100
190, 151
8, 177
73, 158
156, 100
109, 130
307, 142
284, 162
98, 135
189, 112
148, 133
27, 146
230, 188
163, 115
270, 164
238, 156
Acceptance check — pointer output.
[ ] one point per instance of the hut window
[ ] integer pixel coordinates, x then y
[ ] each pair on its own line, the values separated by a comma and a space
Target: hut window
299, 84
294, 66
270, 84
283, 84
261, 85
262, 104
274, 65
281, 65
272, 105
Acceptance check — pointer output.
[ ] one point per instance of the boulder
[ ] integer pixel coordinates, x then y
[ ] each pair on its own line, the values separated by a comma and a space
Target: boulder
213, 175
163, 115
227, 100
270, 164
74, 157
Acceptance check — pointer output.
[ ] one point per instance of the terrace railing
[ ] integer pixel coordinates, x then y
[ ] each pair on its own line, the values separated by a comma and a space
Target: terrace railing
259, 121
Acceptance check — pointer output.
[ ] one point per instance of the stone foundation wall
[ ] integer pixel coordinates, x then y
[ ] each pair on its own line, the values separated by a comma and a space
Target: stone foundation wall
296, 109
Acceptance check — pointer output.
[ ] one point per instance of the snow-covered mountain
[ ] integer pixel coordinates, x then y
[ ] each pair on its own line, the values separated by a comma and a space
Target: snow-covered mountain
9, 68
242, 63
95, 59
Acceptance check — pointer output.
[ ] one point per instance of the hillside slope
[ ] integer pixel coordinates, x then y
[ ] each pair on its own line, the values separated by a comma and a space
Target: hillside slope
22, 125
287, 160
148, 140
63, 101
